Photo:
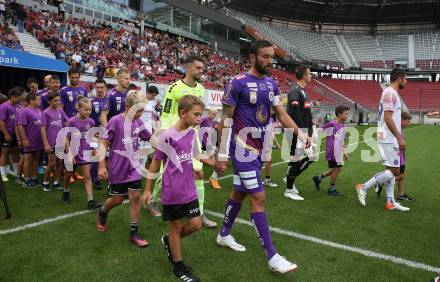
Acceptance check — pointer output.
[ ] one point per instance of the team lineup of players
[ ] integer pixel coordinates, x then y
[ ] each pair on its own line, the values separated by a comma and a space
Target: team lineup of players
32, 123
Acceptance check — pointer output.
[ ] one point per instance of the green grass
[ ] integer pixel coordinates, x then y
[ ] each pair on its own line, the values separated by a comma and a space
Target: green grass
72, 249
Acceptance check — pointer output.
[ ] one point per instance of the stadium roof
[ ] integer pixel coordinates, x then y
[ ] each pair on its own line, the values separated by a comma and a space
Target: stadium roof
341, 11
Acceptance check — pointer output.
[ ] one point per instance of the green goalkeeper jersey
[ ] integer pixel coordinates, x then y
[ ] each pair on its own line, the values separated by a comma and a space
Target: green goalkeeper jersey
178, 89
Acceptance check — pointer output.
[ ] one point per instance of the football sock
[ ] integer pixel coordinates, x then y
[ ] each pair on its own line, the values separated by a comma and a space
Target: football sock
90, 197
262, 228
45, 182
2, 170
200, 194
102, 215
379, 178
133, 228
55, 182
214, 175
231, 211
332, 187
389, 186
15, 167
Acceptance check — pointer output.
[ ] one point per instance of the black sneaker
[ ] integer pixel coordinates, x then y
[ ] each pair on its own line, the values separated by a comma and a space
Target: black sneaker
93, 204
317, 182
404, 197
166, 244
98, 185
66, 197
183, 273
36, 182
30, 184
334, 193
378, 189
57, 187
46, 188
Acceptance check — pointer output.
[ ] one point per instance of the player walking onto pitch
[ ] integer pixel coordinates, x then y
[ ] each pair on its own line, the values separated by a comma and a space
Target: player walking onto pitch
189, 85
247, 102
390, 140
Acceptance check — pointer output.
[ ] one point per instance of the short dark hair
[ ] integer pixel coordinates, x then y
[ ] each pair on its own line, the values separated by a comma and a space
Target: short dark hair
132, 86
54, 77
73, 71
300, 72
406, 116
396, 74
3, 98
341, 109
16, 91
257, 45
192, 58
100, 80
31, 97
52, 95
31, 80
152, 89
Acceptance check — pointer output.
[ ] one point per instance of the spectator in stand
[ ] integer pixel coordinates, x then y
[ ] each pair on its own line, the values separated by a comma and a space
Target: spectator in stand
20, 14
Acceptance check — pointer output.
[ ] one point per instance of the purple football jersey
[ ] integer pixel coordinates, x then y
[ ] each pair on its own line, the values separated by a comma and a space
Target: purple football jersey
175, 149
335, 141
69, 98
99, 104
43, 95
116, 102
124, 164
54, 120
30, 119
83, 126
8, 114
209, 123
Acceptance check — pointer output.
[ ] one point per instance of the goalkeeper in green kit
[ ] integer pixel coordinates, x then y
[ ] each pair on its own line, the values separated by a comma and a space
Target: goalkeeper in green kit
189, 85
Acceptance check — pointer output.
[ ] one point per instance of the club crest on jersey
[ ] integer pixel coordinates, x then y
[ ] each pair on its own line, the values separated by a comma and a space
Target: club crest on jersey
253, 97
260, 116
263, 86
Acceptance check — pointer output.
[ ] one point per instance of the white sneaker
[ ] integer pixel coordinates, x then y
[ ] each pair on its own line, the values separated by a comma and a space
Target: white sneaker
268, 182
208, 223
291, 194
280, 264
10, 171
396, 207
5, 178
229, 241
362, 194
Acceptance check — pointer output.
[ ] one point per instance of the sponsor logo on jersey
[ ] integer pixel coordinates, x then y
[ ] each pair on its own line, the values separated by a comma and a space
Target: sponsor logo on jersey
307, 105
271, 95
167, 107
55, 123
270, 86
253, 97
252, 84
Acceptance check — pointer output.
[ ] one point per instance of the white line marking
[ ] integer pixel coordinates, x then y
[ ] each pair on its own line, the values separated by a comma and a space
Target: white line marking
360, 251
292, 234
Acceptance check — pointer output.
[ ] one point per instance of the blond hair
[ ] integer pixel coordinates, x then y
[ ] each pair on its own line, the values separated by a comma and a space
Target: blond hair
134, 97
83, 101
187, 102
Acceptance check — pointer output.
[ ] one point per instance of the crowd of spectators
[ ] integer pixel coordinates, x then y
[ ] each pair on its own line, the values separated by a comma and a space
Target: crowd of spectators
101, 50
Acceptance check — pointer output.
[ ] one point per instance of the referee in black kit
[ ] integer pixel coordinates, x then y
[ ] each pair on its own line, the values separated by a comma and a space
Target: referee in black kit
299, 109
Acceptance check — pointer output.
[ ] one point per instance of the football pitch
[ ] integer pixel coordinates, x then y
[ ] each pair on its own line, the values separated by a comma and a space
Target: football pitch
330, 238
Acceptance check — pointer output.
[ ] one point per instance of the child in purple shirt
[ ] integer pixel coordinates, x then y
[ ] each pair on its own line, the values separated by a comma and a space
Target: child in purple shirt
53, 119
124, 172
28, 122
176, 148
335, 155
8, 117
82, 122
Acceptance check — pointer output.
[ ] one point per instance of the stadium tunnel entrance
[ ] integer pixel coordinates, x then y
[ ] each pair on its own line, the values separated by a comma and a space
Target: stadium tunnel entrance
17, 66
